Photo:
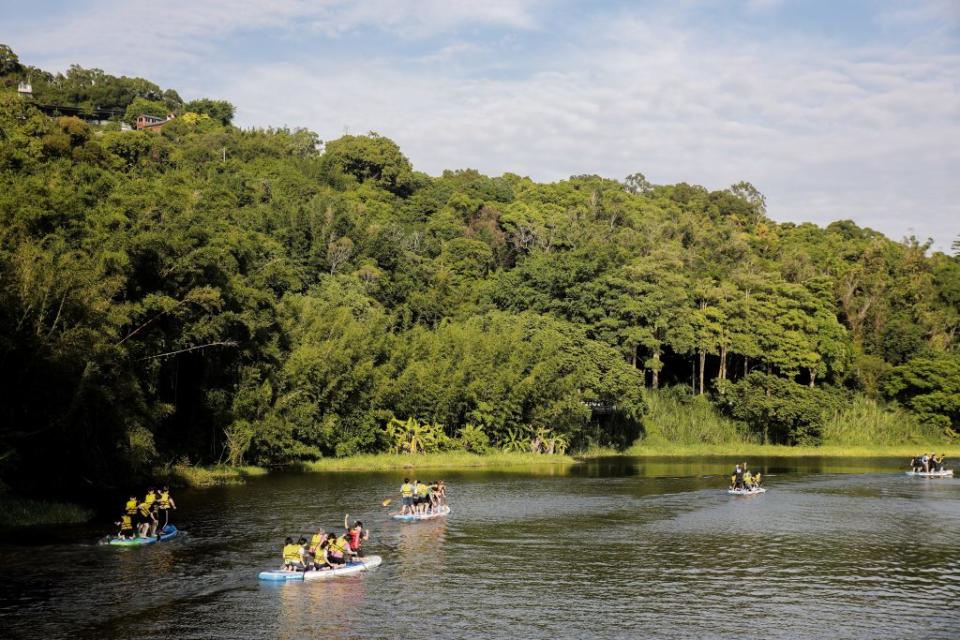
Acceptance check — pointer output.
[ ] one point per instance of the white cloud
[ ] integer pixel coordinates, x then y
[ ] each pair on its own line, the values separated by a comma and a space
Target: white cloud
826, 130
176, 31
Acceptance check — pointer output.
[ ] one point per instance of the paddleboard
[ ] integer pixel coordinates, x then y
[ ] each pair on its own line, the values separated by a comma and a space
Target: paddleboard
166, 533
414, 517
353, 568
746, 492
946, 473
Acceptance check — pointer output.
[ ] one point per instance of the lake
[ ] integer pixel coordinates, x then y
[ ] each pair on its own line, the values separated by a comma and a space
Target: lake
617, 548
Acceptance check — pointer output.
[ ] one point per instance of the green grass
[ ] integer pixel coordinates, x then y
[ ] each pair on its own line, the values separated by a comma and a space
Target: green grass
685, 420
24, 512
181, 474
442, 460
827, 451
684, 426
864, 420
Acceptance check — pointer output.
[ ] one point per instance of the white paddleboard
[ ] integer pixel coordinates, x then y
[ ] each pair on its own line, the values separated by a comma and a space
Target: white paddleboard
351, 569
414, 517
946, 473
279, 575
746, 492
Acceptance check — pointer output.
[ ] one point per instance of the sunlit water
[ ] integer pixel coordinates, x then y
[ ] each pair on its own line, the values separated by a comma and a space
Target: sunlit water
625, 548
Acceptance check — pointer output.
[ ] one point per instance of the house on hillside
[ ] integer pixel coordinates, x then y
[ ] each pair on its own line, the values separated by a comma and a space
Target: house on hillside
152, 123
25, 89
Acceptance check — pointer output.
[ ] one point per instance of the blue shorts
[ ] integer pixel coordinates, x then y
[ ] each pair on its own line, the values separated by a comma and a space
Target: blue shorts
407, 501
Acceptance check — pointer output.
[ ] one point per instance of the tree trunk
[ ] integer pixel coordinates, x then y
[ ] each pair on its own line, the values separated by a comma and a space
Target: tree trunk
813, 377
722, 373
703, 360
655, 371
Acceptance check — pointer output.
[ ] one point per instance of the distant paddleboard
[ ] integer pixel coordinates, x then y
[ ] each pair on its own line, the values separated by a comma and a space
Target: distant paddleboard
946, 473
414, 517
746, 492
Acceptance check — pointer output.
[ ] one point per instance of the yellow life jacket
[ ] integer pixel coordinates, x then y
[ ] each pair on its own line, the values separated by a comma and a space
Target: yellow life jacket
144, 508
757, 478
315, 542
150, 498
337, 546
423, 489
406, 490
125, 523
291, 553
164, 499
131, 507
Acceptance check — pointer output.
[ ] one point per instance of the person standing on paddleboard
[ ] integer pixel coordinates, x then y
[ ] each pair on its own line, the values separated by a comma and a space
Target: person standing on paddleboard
164, 504
406, 497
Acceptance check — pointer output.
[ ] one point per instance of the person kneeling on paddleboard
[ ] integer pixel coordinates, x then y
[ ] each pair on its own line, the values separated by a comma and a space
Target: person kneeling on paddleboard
126, 527
314, 547
355, 536
292, 560
336, 551
738, 478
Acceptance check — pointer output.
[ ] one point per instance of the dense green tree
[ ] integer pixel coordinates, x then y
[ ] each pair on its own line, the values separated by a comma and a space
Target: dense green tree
930, 386
220, 110
252, 296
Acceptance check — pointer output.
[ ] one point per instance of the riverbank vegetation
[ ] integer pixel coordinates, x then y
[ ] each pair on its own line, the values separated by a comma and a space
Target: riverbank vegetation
183, 474
257, 297
435, 461
24, 512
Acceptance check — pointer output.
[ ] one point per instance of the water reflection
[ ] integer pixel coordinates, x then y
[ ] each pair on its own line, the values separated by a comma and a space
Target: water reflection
627, 547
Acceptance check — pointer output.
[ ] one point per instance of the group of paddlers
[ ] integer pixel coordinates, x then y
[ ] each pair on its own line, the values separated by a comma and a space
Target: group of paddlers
743, 480
325, 550
145, 517
927, 463
421, 498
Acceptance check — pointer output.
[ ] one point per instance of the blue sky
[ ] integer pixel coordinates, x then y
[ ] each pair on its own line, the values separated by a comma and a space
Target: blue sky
844, 109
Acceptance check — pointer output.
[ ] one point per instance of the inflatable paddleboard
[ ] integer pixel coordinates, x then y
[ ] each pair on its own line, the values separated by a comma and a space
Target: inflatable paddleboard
414, 517
166, 533
353, 568
746, 492
946, 473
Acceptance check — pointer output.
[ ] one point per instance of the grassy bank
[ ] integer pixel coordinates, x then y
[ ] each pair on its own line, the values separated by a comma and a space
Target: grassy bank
678, 425
24, 512
827, 451
442, 460
185, 475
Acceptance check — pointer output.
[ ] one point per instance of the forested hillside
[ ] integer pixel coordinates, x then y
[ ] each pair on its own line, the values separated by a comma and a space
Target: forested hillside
219, 294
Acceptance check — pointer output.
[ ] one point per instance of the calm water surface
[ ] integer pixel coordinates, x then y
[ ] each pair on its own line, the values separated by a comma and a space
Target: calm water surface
624, 548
